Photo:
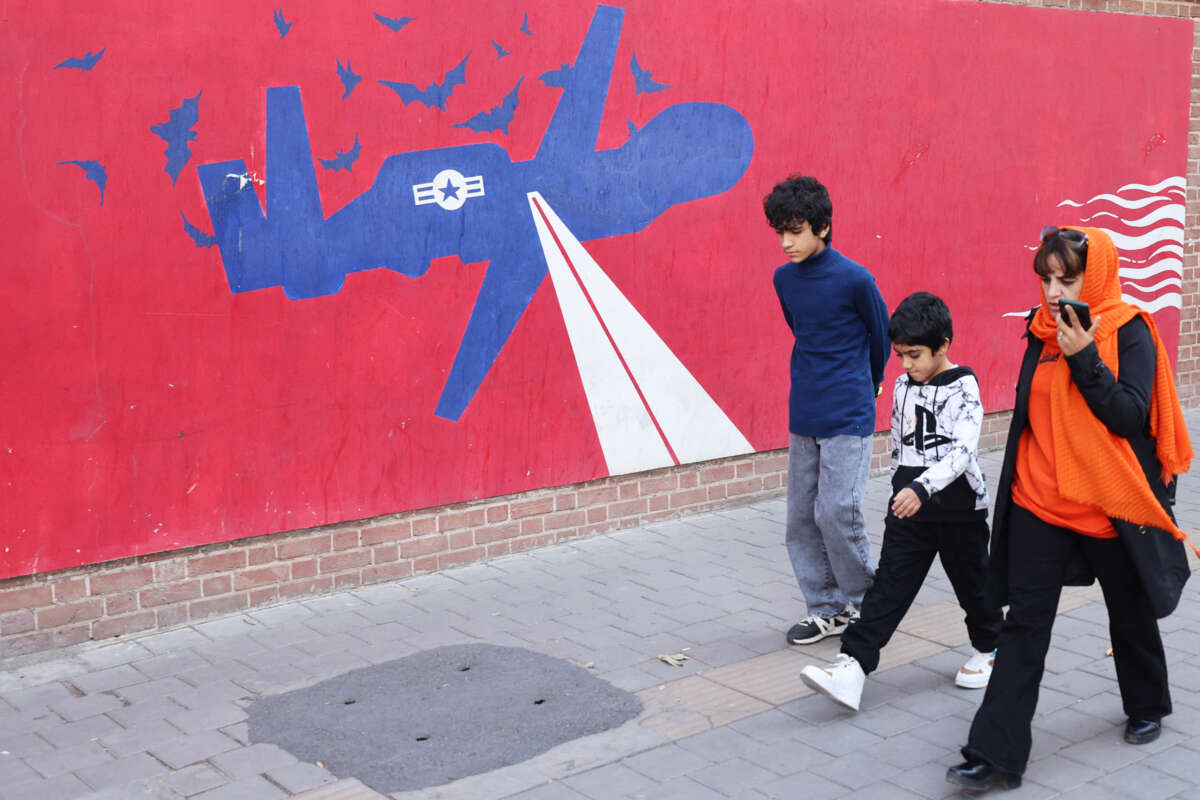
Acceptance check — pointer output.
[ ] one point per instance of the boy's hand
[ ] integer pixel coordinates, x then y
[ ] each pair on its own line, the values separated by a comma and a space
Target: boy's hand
906, 503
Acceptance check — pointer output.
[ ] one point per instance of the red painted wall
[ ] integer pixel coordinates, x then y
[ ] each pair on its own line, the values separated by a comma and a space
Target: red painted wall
145, 406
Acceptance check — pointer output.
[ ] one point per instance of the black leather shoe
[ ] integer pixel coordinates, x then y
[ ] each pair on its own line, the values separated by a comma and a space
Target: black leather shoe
980, 775
1142, 731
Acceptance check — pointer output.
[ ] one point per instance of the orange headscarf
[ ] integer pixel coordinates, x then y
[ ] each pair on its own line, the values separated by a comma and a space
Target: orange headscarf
1094, 465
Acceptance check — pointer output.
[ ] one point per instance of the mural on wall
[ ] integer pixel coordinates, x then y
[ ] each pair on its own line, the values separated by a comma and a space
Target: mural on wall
280, 266
469, 201
1146, 224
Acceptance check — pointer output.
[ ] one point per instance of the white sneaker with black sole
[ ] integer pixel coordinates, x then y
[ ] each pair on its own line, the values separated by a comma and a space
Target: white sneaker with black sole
814, 629
842, 681
976, 673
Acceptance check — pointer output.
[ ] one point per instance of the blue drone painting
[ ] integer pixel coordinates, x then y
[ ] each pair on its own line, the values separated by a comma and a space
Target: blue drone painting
471, 201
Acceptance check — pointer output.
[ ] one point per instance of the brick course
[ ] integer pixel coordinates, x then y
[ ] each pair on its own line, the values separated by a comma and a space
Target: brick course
52, 610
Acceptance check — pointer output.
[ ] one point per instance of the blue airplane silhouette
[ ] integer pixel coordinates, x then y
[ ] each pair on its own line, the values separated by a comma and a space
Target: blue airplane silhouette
471, 201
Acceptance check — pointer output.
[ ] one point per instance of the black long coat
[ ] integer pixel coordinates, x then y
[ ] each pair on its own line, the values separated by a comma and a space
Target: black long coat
1123, 406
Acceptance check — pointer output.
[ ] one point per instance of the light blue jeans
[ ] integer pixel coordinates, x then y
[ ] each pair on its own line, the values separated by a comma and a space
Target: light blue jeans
826, 534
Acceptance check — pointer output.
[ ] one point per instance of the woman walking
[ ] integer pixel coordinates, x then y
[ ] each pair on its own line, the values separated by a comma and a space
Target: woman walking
1085, 492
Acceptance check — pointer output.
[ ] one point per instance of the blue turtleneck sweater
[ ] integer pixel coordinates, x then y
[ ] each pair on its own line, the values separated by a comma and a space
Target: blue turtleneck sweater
839, 319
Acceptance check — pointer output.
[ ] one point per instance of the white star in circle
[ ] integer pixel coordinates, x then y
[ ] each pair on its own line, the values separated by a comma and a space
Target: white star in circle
449, 185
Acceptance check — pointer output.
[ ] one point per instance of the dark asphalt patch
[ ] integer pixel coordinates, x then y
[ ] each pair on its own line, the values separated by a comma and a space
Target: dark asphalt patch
443, 714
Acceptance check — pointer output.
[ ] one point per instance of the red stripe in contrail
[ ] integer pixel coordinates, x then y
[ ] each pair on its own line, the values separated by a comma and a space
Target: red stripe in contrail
604, 327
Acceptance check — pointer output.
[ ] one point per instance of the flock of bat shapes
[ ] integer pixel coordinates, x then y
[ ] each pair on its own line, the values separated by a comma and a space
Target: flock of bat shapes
177, 131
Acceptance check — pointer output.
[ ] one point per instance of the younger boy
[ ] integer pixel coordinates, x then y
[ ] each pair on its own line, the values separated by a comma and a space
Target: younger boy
839, 323
939, 505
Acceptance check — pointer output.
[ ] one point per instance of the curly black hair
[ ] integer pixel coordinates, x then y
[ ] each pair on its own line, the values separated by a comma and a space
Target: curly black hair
921, 319
797, 199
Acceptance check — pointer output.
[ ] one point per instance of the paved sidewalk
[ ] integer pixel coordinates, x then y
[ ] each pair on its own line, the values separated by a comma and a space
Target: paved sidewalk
163, 715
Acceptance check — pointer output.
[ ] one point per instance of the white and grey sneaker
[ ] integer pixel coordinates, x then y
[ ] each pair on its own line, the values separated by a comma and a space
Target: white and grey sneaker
976, 672
842, 681
814, 629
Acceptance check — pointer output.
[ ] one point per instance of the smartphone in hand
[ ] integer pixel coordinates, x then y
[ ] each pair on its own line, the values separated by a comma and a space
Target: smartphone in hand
1082, 313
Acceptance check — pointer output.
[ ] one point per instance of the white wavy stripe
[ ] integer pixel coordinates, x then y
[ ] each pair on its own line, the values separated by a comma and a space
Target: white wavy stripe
1176, 182
1171, 265
1176, 282
1172, 212
1151, 305
1173, 249
1168, 300
1123, 202
1161, 234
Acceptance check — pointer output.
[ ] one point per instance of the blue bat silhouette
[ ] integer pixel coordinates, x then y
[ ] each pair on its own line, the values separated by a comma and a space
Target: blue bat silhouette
86, 63
393, 23
343, 160
94, 171
283, 25
201, 238
556, 77
644, 80
348, 76
177, 132
436, 94
500, 51
525, 25
498, 118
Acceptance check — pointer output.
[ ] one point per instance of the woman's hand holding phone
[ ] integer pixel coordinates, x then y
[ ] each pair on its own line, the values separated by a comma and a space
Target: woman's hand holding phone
1072, 336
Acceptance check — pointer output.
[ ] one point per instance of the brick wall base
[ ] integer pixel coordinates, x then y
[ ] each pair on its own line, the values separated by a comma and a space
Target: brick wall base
55, 609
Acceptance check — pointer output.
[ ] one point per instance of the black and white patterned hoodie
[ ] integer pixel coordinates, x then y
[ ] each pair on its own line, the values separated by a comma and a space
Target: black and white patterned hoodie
935, 444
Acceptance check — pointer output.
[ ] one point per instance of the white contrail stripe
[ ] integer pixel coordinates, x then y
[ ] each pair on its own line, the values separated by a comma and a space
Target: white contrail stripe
628, 437
1171, 265
1169, 300
694, 425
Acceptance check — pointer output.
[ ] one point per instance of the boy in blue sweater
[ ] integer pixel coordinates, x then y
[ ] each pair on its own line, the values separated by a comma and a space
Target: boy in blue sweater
839, 321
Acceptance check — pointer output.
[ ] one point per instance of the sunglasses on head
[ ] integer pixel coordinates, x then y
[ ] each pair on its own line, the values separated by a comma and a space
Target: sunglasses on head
1072, 236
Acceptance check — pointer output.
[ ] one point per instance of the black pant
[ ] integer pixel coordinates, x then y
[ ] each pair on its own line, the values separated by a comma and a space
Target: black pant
908, 550
1038, 557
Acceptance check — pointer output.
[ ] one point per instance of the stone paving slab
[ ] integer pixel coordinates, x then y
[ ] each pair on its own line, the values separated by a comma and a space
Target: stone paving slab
347, 789
162, 715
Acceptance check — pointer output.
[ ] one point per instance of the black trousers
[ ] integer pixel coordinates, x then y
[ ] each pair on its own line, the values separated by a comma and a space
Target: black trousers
1038, 556
908, 550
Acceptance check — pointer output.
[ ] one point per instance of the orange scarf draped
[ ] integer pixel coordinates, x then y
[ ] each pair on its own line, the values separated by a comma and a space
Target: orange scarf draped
1094, 465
